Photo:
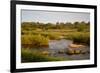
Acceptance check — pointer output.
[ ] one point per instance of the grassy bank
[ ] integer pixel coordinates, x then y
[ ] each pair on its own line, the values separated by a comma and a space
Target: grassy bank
34, 40
79, 38
36, 56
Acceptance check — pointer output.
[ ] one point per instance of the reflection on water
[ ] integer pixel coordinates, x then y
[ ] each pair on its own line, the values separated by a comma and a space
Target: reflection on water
59, 44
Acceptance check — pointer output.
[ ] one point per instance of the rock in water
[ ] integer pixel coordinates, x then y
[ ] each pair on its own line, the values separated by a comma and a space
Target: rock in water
76, 46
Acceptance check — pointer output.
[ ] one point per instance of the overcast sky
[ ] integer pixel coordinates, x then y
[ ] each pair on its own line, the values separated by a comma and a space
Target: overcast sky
53, 16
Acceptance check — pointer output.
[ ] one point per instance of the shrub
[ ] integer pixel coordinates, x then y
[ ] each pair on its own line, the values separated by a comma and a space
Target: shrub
53, 36
34, 40
80, 38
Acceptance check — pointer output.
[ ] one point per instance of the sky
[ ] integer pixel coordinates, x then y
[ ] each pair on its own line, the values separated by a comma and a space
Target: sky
53, 16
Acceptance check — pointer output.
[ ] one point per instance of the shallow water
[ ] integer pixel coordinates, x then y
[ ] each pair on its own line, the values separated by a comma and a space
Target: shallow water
56, 45
59, 44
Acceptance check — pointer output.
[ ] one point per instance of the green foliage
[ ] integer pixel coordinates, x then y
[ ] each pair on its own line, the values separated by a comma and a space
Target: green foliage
53, 36
80, 28
36, 56
37, 35
80, 38
59, 25
85, 39
34, 40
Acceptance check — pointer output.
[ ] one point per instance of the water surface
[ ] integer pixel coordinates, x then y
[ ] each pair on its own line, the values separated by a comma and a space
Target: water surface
62, 45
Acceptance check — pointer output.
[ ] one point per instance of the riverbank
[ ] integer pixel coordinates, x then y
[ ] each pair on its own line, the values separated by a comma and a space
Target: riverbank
58, 50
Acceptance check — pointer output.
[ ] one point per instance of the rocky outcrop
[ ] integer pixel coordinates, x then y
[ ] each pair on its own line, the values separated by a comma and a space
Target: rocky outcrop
76, 49
75, 46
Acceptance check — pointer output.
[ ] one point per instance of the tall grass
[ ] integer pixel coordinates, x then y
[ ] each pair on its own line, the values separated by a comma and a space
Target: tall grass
80, 38
53, 36
36, 56
34, 40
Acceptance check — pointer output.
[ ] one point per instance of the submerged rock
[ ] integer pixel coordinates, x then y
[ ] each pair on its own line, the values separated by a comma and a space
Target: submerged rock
76, 49
70, 52
45, 53
61, 51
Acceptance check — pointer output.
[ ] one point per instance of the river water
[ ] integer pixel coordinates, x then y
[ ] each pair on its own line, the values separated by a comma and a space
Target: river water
62, 45
56, 45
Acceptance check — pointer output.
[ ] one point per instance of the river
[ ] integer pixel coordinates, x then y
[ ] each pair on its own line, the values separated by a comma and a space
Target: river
62, 45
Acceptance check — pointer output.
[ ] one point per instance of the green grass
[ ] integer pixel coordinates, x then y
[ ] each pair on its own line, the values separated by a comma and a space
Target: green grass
34, 40
37, 35
80, 38
36, 56
42, 37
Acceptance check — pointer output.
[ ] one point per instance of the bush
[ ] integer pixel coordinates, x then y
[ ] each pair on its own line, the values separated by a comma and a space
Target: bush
82, 38
79, 38
53, 36
34, 40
